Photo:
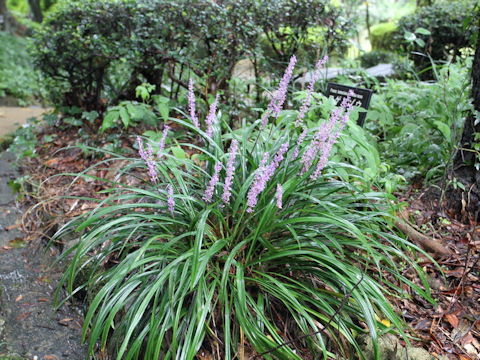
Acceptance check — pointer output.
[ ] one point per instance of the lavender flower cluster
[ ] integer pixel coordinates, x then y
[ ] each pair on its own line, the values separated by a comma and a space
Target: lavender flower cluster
227, 187
211, 117
191, 104
325, 137
211, 113
279, 96
147, 156
213, 181
321, 143
264, 173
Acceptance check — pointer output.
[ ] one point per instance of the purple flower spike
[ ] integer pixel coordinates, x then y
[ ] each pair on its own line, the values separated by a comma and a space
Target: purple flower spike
311, 87
149, 150
325, 137
321, 136
152, 166
191, 104
141, 150
265, 117
264, 174
230, 169
282, 88
332, 139
148, 158
211, 117
170, 201
213, 181
161, 145
255, 187
278, 97
279, 196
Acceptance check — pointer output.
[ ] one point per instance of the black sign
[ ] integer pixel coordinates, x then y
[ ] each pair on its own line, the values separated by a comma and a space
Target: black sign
361, 97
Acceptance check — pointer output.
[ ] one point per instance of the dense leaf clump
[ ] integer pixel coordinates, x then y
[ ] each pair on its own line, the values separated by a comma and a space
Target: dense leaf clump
240, 240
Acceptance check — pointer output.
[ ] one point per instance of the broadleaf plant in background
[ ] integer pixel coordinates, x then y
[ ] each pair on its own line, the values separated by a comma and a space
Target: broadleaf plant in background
255, 235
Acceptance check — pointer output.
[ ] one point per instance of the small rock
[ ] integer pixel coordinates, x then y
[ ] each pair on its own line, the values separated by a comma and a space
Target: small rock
390, 348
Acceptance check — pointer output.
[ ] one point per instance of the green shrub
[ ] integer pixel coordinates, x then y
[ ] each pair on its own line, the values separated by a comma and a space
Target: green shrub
96, 53
187, 266
306, 27
77, 47
376, 57
446, 34
382, 35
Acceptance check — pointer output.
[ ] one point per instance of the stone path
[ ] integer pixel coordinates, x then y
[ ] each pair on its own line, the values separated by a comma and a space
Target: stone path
29, 328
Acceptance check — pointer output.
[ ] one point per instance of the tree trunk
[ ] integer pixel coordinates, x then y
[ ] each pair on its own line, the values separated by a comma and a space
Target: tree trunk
4, 17
35, 10
8, 23
467, 202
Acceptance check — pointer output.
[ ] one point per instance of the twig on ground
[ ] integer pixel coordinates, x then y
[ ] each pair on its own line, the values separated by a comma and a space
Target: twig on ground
426, 242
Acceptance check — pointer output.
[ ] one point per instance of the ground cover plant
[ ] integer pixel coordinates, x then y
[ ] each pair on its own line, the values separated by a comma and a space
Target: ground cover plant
240, 241
304, 279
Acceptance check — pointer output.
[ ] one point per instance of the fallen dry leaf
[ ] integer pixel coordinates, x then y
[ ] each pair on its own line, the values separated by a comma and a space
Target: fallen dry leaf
23, 316
453, 320
50, 357
476, 344
470, 349
467, 339
19, 297
42, 299
65, 321
52, 162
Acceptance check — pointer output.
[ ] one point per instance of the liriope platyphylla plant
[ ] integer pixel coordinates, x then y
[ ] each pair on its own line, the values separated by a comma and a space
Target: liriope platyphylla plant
245, 246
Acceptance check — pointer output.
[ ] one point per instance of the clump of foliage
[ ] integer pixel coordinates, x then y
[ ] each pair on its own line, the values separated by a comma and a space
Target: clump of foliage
18, 79
307, 26
450, 28
419, 124
247, 233
77, 47
96, 53
382, 35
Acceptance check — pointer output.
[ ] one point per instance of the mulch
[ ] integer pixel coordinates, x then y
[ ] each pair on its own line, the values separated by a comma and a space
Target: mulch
450, 327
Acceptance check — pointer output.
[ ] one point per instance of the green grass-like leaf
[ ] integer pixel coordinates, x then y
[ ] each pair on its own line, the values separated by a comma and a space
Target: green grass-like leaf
166, 281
